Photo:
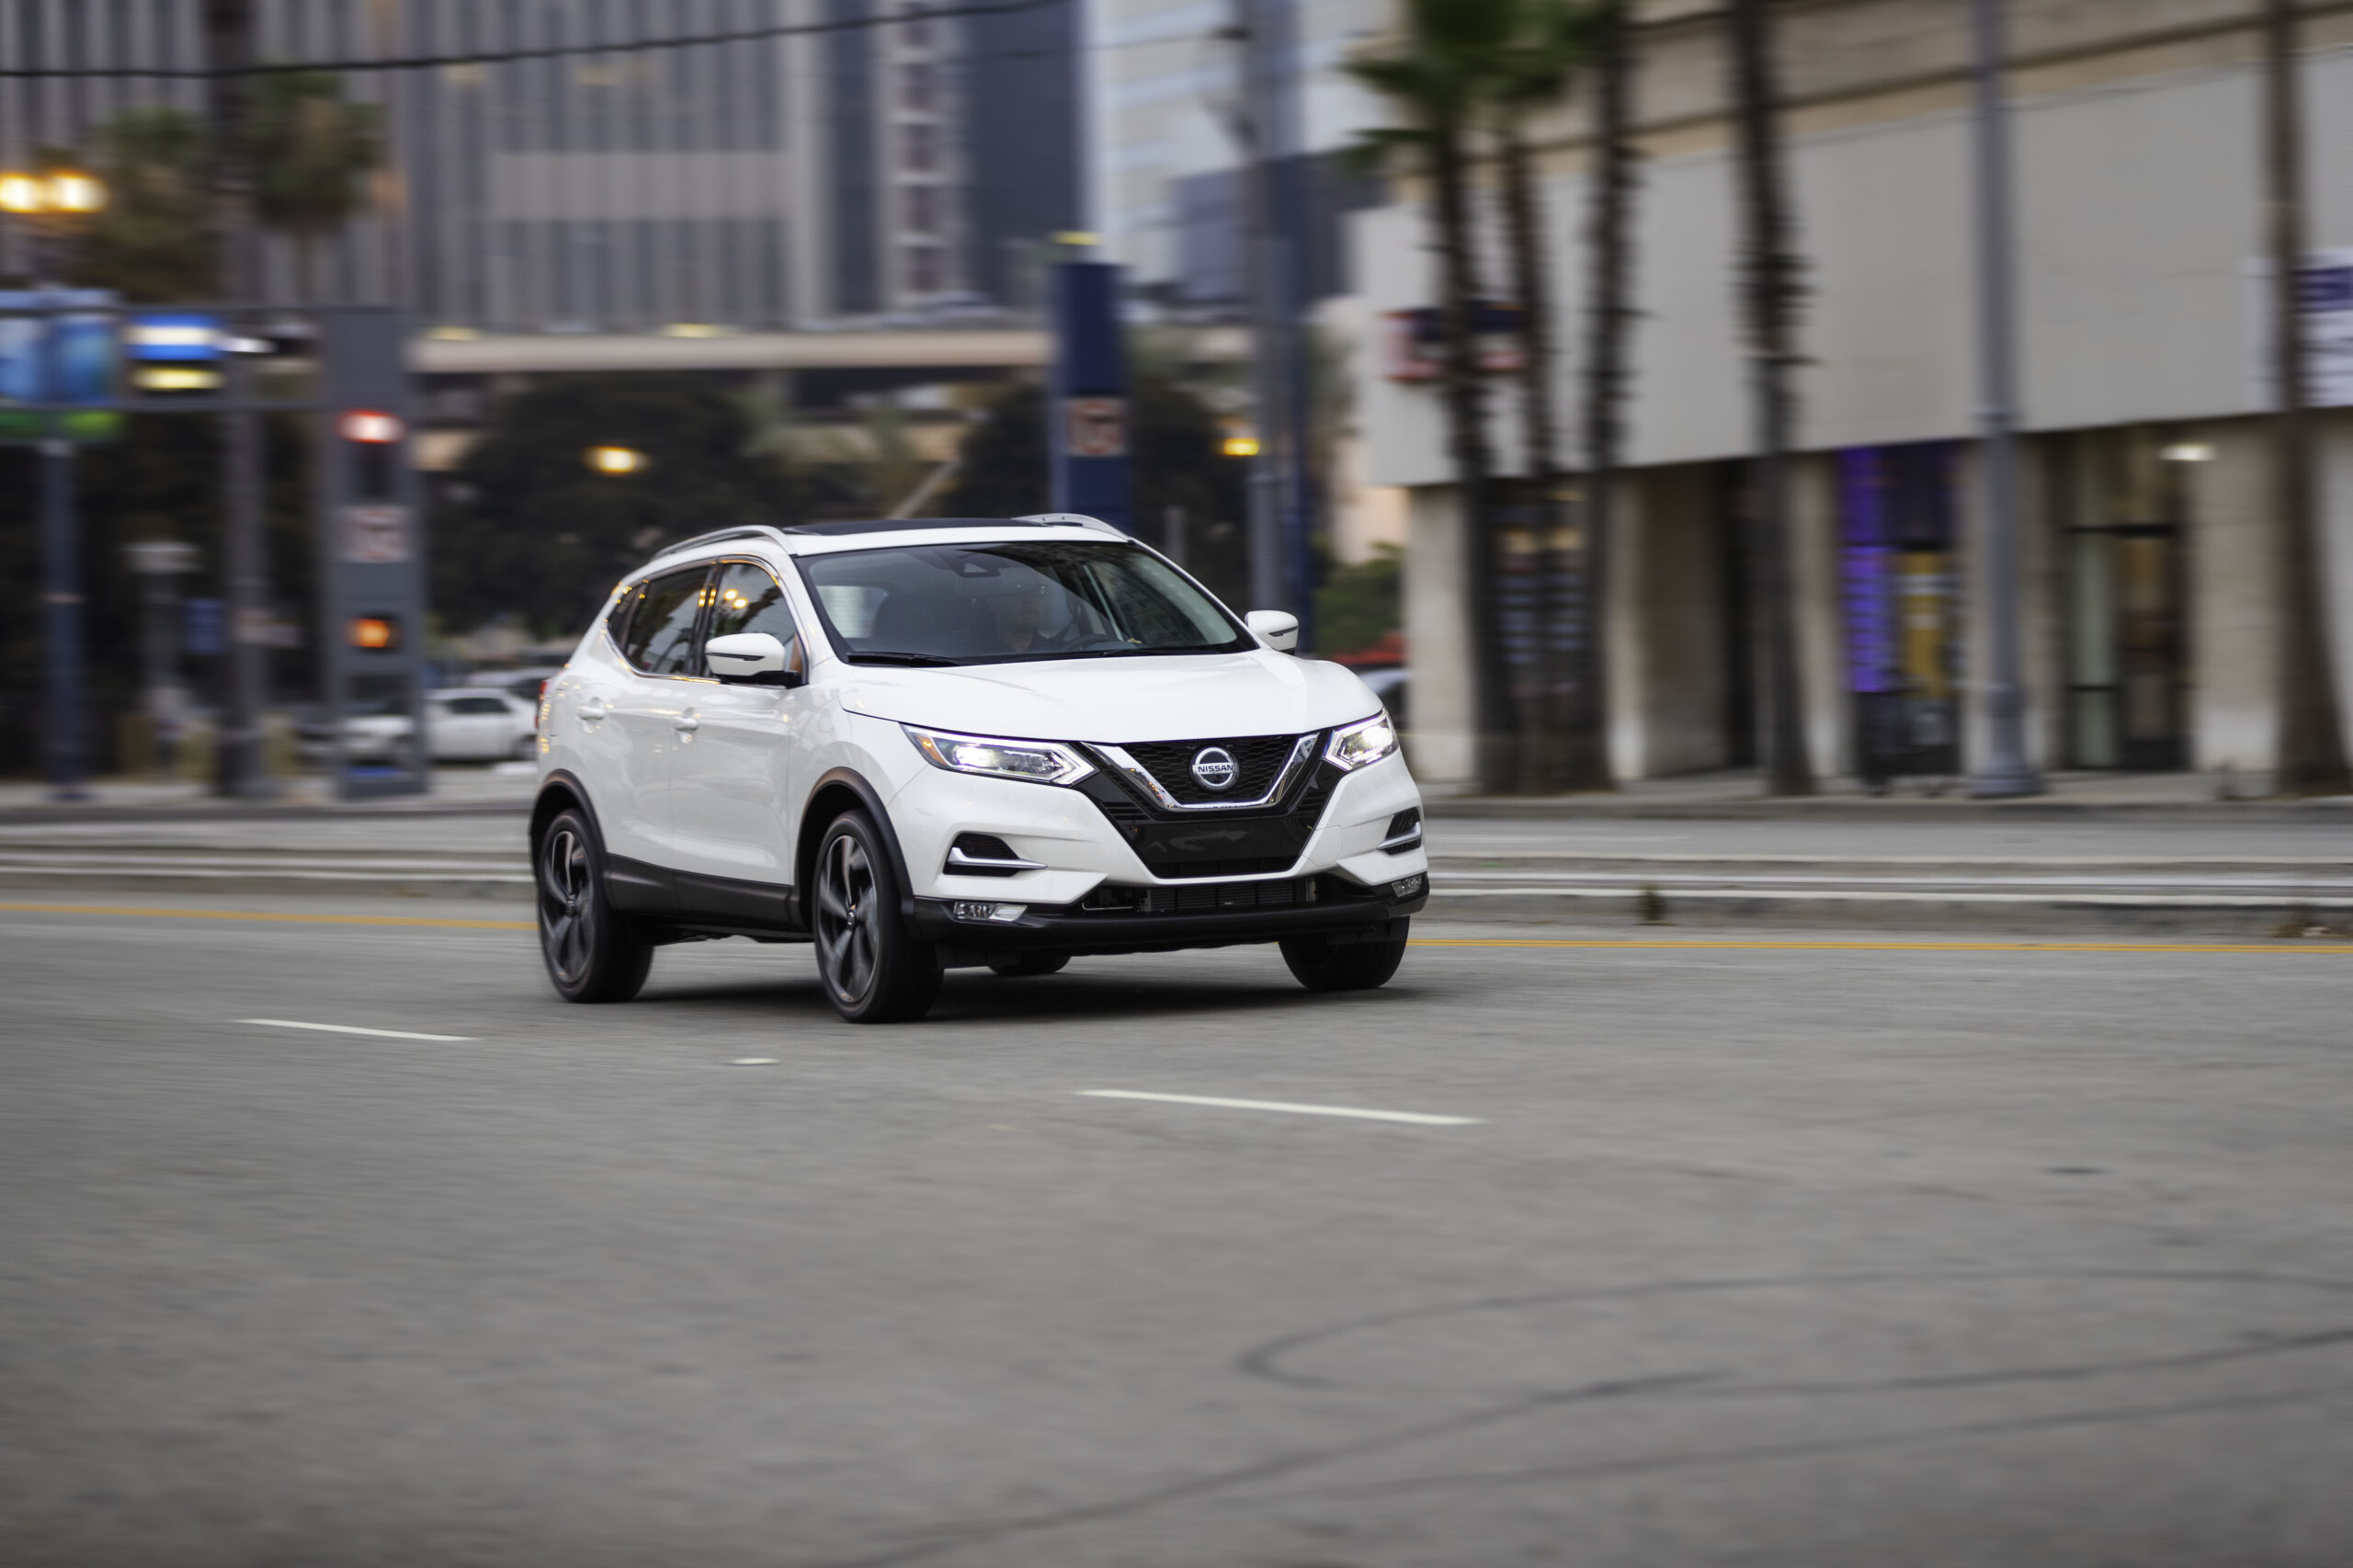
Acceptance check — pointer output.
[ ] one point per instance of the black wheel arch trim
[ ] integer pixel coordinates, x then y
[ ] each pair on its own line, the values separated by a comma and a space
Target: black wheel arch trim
804, 855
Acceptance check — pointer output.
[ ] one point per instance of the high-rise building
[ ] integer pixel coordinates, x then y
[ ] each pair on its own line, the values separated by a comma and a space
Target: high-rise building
565, 167
1171, 135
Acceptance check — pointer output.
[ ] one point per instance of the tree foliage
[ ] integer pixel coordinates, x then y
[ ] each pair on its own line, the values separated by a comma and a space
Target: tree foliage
1177, 444
313, 152
529, 532
150, 243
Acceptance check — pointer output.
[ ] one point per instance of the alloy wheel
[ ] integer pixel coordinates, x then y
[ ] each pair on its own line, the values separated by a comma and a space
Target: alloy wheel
845, 940
567, 905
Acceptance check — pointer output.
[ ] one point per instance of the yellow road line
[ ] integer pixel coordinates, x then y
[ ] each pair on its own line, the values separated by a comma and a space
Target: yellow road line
1663, 943
2280, 947
259, 915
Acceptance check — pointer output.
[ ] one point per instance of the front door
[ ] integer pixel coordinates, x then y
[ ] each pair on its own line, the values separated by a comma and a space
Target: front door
732, 785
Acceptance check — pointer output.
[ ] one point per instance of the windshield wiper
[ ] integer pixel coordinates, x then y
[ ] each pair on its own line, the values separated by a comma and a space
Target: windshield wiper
891, 658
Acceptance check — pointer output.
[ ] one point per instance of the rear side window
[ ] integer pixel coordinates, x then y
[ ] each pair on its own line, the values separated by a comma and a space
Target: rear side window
659, 635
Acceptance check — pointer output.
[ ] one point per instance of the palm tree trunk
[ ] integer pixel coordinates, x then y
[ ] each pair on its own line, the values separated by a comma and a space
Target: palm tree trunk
1770, 290
1609, 237
2312, 739
1541, 722
1465, 396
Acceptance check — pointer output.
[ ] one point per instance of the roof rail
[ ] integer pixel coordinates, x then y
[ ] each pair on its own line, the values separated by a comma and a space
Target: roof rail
1079, 519
753, 530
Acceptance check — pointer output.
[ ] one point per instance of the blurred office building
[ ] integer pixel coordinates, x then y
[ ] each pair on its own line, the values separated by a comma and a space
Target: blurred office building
1175, 131
763, 181
2151, 587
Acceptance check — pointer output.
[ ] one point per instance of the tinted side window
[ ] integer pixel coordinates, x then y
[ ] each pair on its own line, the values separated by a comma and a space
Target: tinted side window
750, 600
659, 635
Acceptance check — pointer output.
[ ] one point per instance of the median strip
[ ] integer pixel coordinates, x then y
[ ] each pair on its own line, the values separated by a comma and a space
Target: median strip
1417, 1117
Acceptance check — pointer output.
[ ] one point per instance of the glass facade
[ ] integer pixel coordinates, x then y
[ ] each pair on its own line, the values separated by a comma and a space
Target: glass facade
2119, 506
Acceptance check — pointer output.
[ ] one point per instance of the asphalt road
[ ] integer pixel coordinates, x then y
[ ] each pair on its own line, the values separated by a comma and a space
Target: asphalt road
1754, 1255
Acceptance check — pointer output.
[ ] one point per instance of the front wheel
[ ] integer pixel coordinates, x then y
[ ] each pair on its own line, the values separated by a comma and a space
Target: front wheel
875, 972
594, 953
1322, 965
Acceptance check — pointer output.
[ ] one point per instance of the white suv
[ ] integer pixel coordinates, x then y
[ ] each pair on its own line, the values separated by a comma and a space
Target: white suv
944, 744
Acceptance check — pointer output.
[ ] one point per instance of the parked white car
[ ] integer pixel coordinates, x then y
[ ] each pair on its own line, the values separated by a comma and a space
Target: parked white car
939, 743
465, 725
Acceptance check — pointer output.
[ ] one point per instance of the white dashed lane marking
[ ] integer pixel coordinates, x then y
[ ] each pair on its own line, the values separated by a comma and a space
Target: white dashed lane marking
1419, 1118
353, 1028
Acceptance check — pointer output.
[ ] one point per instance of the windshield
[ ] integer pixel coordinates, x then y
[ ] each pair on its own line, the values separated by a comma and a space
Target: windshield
981, 604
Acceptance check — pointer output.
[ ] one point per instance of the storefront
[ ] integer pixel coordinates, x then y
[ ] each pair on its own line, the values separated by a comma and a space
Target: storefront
1900, 588
2120, 515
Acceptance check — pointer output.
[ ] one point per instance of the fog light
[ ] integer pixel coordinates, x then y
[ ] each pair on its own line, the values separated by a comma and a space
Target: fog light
999, 913
1406, 887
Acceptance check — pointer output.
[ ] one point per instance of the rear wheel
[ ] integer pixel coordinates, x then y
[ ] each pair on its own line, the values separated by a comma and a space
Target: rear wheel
875, 972
594, 952
1322, 965
1017, 965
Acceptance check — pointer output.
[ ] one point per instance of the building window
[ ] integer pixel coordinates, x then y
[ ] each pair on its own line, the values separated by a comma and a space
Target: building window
918, 31
919, 147
919, 86
1899, 547
923, 208
2121, 503
926, 275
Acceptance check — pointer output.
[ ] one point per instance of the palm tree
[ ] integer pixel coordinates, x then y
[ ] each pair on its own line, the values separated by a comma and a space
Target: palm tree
1770, 289
1609, 240
1439, 79
314, 151
2312, 738
1533, 73
153, 161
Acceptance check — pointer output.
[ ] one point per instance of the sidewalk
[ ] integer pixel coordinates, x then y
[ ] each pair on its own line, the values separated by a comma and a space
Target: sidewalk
2203, 796
502, 787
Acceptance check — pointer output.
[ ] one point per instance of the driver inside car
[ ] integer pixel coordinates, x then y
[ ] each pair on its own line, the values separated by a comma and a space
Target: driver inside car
1017, 612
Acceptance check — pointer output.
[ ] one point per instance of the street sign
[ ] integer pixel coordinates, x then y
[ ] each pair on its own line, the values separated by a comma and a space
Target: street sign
1096, 426
57, 358
375, 535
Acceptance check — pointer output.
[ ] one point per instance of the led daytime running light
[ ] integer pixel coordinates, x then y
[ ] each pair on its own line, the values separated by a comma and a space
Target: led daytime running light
1038, 762
1361, 743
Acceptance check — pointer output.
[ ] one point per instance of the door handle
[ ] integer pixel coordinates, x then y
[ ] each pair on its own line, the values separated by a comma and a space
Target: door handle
592, 711
686, 724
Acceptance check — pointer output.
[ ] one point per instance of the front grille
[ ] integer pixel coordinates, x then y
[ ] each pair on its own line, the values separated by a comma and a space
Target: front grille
1206, 899
1258, 758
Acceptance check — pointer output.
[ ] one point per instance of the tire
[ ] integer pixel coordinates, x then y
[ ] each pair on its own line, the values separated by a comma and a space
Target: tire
1321, 964
874, 971
594, 952
1021, 965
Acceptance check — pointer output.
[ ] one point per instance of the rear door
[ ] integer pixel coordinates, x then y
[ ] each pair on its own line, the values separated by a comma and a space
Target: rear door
733, 778
644, 716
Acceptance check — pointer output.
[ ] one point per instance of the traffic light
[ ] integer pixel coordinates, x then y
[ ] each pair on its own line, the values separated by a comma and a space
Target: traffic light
376, 633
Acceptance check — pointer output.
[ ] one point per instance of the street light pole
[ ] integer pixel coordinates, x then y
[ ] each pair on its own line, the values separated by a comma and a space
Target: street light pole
1267, 270
2006, 771
42, 200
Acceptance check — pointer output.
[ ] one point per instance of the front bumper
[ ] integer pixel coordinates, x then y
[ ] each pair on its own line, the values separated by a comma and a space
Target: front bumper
1162, 919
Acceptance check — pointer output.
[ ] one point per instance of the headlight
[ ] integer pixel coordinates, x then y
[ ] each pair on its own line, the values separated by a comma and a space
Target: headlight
1040, 762
1354, 745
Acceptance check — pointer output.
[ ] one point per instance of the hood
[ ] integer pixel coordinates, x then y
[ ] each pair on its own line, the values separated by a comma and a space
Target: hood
1184, 697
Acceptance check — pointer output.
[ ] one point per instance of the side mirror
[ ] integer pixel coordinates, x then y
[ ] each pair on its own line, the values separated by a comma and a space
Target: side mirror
1276, 628
752, 658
